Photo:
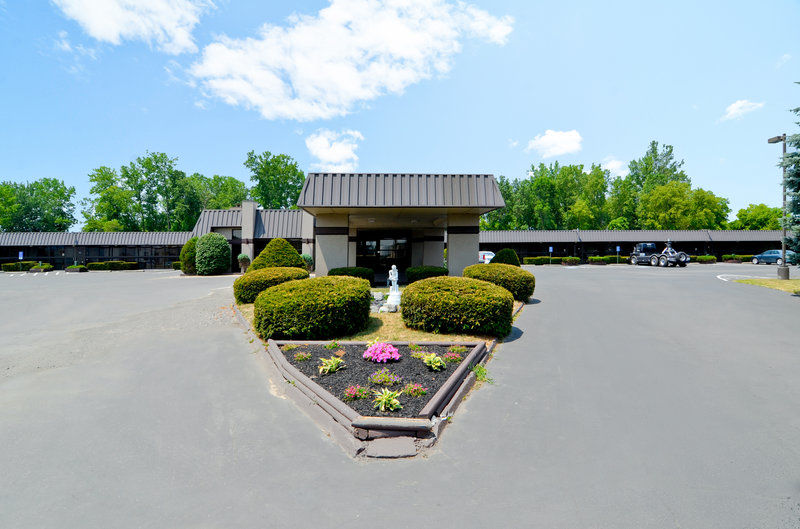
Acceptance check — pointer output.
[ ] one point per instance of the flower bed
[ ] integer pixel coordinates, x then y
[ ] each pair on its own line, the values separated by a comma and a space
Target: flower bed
358, 381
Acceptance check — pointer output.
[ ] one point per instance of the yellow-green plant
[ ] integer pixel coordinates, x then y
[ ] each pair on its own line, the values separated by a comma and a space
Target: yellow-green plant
387, 399
330, 365
434, 362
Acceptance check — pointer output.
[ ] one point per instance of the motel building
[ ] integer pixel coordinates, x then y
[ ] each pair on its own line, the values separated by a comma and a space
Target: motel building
374, 221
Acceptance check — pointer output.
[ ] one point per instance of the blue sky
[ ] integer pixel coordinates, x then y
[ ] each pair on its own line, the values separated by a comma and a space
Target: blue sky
361, 85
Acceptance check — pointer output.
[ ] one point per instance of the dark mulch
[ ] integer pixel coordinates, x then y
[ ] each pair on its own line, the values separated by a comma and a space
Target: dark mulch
358, 371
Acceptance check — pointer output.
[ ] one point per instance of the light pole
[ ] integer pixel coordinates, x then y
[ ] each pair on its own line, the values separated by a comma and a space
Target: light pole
783, 268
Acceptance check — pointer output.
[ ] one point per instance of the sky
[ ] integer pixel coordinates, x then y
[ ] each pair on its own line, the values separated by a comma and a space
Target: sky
429, 86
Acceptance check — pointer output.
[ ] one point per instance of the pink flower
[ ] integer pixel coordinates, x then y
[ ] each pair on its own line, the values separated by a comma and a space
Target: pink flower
381, 352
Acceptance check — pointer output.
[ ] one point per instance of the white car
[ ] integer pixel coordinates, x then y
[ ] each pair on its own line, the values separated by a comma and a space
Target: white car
485, 257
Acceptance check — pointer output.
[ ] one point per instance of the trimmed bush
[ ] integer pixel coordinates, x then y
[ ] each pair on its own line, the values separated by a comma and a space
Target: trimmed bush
705, 259
354, 271
570, 261
612, 259
541, 260
188, 257
77, 268
458, 305
597, 260
415, 273
176, 265
516, 280
213, 255
278, 252
308, 260
249, 286
19, 266
315, 308
506, 256
737, 257
113, 265
45, 267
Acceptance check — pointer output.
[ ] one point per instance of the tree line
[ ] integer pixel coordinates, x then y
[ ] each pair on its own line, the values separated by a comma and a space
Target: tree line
152, 194
656, 194
148, 194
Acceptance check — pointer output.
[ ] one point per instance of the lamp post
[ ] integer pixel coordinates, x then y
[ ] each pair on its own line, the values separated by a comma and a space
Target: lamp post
74, 251
783, 268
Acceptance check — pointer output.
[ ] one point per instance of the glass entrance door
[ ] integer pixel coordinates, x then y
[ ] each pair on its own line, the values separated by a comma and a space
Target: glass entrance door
380, 250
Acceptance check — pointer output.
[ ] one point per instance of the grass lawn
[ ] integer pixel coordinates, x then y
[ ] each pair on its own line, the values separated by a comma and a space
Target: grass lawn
389, 326
787, 285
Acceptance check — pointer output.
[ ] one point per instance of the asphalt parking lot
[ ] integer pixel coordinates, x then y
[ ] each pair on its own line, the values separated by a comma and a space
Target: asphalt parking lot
626, 397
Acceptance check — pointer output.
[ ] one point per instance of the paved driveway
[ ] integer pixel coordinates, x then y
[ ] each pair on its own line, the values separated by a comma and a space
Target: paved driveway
628, 397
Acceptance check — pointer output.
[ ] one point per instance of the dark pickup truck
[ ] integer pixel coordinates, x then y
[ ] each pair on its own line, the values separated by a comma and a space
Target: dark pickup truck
646, 253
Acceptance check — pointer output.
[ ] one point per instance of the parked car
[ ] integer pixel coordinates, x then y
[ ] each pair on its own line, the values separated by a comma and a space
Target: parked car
647, 253
485, 257
774, 257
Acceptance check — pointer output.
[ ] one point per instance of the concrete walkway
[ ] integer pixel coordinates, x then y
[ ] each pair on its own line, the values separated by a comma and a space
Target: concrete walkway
628, 397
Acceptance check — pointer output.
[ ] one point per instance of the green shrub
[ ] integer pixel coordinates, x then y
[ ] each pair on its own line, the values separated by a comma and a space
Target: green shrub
737, 257
597, 260
612, 259
541, 260
570, 261
45, 267
312, 309
213, 254
19, 266
243, 258
415, 273
506, 256
354, 271
250, 285
188, 257
113, 265
516, 280
457, 305
308, 260
176, 265
96, 266
278, 252
78, 268
705, 259
10, 267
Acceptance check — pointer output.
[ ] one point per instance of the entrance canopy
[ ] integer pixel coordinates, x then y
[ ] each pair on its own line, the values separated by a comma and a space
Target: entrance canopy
380, 219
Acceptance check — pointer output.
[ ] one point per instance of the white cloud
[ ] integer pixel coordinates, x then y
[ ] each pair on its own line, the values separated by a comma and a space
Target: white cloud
555, 143
321, 66
75, 54
336, 151
740, 108
512, 143
166, 23
616, 167
783, 60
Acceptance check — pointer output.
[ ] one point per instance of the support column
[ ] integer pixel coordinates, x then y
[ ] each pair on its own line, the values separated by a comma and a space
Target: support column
307, 234
433, 248
462, 242
330, 235
351, 246
249, 213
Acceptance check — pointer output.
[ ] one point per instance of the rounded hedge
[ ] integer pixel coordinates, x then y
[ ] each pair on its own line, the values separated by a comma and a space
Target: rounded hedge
415, 273
188, 257
315, 308
213, 254
506, 256
354, 271
308, 260
514, 279
457, 305
277, 252
250, 285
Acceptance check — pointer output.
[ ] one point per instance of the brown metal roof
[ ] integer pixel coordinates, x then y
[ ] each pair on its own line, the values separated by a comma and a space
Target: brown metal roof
217, 218
95, 238
395, 190
283, 223
562, 236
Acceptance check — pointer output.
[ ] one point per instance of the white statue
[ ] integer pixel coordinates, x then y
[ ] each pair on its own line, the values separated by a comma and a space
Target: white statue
394, 290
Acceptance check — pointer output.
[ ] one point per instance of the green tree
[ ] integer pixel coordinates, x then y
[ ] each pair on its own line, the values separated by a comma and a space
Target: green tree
791, 164
503, 218
656, 168
41, 205
675, 206
757, 217
278, 180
